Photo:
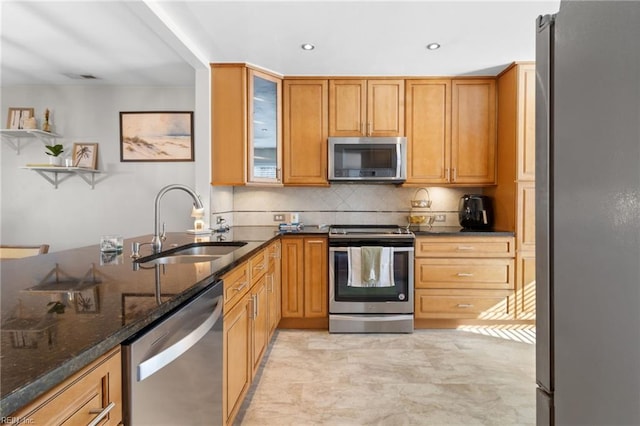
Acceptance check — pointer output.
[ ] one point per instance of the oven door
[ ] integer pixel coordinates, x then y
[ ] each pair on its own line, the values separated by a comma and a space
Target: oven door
396, 299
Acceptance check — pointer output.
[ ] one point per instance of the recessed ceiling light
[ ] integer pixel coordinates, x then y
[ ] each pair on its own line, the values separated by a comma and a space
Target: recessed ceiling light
433, 46
308, 46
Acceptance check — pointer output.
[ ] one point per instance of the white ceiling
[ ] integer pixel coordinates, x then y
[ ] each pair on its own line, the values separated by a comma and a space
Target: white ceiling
161, 42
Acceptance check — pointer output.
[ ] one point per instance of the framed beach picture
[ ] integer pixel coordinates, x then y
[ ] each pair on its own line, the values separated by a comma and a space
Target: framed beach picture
85, 155
156, 136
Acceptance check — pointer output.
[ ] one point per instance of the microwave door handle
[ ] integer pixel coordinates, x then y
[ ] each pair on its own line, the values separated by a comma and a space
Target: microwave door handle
398, 161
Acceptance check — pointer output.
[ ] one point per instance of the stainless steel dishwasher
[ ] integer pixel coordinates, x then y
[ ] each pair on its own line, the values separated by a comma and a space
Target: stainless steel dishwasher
173, 369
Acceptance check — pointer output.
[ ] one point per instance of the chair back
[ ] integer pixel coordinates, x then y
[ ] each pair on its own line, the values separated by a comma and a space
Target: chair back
18, 252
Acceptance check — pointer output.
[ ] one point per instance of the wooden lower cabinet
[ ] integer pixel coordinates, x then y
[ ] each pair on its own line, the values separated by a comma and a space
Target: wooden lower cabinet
259, 322
252, 293
305, 290
526, 285
464, 279
490, 274
464, 304
237, 358
274, 288
94, 391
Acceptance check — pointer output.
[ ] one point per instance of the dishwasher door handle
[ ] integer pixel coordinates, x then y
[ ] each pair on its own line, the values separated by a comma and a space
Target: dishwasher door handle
150, 366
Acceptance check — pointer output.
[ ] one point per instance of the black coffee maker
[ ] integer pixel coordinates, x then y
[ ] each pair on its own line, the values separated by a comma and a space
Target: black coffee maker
475, 212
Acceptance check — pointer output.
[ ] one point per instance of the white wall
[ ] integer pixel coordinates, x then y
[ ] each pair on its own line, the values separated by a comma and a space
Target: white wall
33, 212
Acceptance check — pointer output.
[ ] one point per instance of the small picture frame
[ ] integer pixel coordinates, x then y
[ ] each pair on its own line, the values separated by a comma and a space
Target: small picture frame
87, 301
16, 117
156, 136
85, 155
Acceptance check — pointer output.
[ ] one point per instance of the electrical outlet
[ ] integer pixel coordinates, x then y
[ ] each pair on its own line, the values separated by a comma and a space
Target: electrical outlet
278, 218
440, 218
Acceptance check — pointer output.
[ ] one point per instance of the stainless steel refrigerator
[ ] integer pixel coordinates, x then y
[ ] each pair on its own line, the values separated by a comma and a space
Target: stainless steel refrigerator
588, 214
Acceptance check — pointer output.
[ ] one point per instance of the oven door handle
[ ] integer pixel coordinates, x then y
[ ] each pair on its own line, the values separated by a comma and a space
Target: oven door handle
338, 249
344, 249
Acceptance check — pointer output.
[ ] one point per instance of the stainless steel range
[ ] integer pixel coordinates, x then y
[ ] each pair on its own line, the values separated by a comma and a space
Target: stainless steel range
370, 279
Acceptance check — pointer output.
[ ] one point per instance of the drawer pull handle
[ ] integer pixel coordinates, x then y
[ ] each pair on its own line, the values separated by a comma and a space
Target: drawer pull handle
260, 266
465, 305
465, 247
101, 414
241, 286
465, 274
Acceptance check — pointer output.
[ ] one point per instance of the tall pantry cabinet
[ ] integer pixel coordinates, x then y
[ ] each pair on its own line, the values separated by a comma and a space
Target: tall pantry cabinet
514, 194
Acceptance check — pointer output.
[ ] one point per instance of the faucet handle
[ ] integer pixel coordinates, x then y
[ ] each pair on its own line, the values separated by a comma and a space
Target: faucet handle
163, 236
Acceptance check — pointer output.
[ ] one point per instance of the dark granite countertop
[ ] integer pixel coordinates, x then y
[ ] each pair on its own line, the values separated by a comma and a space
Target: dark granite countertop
450, 231
104, 302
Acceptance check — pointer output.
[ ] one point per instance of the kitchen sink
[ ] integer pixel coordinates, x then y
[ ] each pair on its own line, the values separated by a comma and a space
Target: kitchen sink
192, 253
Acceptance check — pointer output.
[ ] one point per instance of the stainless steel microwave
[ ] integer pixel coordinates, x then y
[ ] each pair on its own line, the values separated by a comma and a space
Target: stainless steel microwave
360, 159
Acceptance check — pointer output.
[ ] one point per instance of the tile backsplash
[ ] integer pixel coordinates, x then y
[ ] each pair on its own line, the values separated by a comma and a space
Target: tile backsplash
339, 203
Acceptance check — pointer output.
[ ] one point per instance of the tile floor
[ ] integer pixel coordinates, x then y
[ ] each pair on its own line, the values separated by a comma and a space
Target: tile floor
476, 376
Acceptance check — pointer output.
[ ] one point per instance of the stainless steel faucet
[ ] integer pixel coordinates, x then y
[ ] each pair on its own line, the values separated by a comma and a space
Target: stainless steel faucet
158, 237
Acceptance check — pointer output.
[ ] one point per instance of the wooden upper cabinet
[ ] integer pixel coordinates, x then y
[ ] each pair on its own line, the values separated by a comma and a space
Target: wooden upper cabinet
428, 122
228, 124
366, 107
526, 122
246, 129
473, 131
516, 152
306, 128
265, 130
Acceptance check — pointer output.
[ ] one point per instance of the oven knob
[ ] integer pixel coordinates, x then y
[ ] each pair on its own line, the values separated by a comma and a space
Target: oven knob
401, 296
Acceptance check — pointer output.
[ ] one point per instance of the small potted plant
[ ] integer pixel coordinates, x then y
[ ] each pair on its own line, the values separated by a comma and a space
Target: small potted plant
54, 151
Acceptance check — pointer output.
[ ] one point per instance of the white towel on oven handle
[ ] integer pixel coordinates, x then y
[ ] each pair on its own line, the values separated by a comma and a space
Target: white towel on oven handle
354, 261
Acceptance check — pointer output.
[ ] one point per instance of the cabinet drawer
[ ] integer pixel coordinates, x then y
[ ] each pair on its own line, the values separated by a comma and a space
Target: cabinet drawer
464, 304
465, 247
94, 391
236, 285
465, 273
258, 265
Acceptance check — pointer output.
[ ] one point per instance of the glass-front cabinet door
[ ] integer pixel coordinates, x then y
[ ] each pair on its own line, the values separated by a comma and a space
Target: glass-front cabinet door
265, 136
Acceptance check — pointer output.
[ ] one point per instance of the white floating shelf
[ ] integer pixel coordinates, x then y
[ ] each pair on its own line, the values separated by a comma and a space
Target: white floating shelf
50, 174
14, 137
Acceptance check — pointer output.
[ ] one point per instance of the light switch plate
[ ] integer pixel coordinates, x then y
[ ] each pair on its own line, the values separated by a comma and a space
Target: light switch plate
278, 218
